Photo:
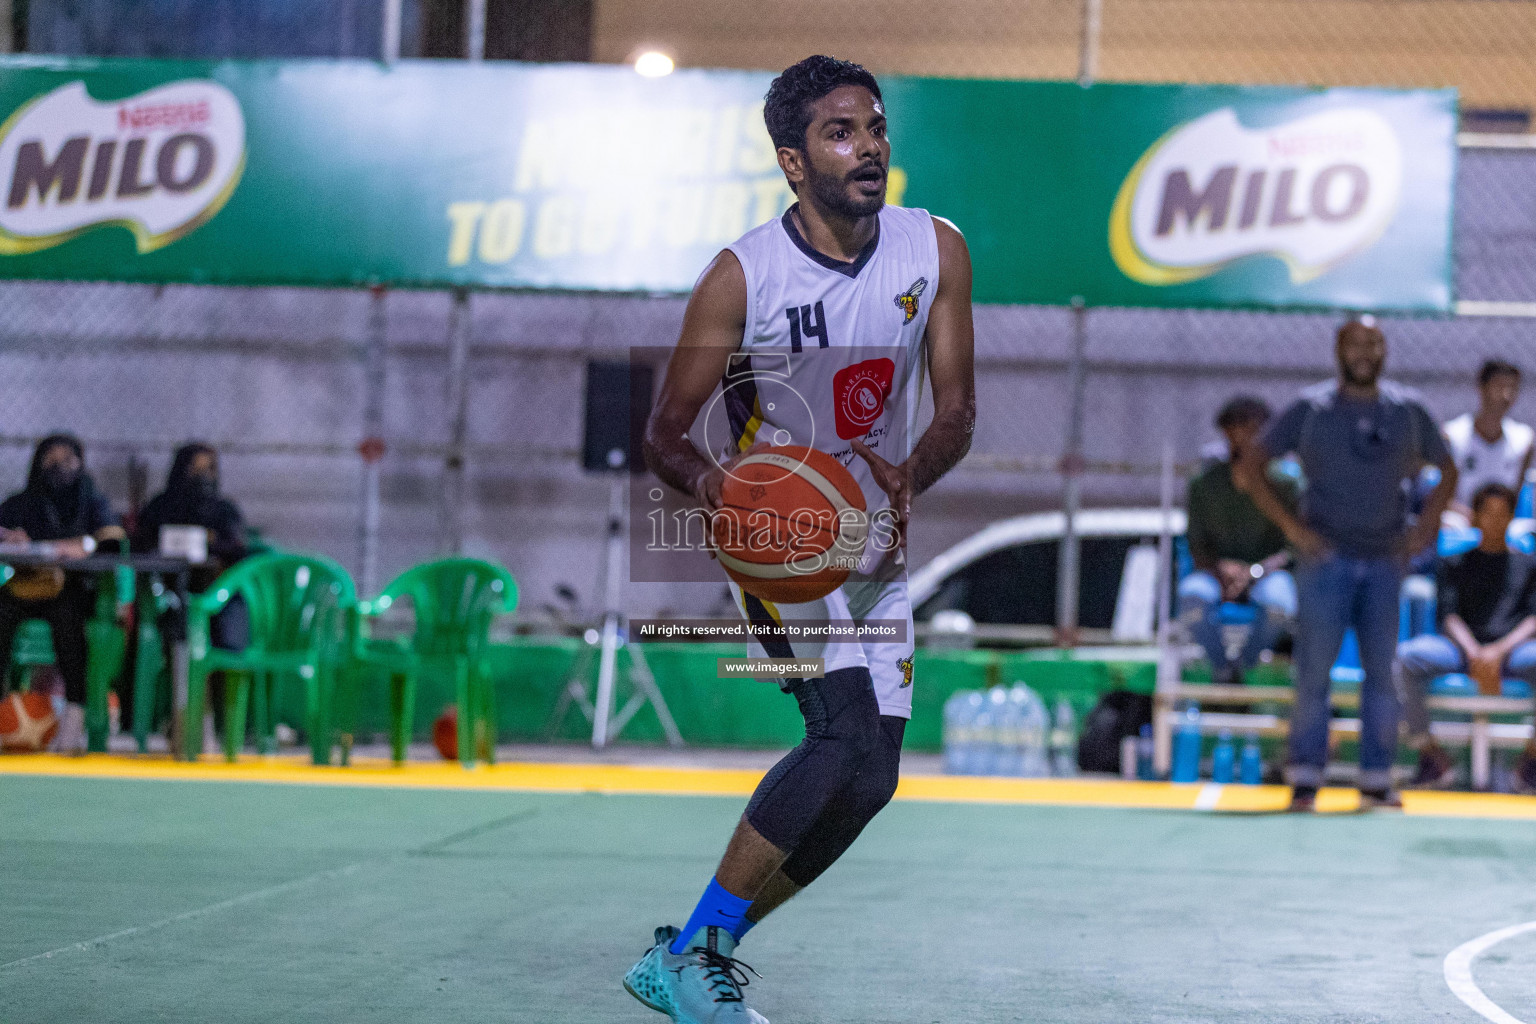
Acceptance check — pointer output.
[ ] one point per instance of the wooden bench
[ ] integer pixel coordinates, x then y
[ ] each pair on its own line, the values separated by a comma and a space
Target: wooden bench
1480, 734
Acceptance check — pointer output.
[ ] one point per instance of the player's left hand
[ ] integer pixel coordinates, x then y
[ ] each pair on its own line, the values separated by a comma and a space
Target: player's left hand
893, 481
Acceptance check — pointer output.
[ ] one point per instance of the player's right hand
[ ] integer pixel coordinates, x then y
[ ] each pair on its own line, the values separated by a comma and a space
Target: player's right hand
706, 487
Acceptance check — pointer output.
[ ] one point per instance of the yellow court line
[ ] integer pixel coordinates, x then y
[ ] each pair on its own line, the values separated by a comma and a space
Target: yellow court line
541, 777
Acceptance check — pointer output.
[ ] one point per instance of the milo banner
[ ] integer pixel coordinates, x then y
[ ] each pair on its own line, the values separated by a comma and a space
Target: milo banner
496, 175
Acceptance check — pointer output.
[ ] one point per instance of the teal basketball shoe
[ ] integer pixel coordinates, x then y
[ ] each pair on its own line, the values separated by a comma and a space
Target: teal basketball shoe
700, 985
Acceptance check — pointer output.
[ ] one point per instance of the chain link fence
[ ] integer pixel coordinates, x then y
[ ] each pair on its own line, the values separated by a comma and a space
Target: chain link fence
480, 406
277, 380
1483, 47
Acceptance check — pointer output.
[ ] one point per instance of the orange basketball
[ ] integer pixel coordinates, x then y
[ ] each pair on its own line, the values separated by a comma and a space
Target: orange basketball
791, 526
445, 733
27, 722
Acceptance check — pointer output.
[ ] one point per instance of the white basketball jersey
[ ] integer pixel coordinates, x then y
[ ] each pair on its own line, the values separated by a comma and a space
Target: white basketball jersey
832, 351
1481, 462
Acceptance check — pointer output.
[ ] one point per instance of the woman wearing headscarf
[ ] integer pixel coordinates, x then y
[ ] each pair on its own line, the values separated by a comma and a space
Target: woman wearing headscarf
191, 498
61, 505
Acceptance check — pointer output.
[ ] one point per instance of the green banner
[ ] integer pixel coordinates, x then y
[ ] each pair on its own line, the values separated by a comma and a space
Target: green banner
496, 175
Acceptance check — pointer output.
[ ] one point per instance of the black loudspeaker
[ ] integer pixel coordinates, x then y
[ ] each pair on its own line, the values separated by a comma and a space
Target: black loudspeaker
618, 404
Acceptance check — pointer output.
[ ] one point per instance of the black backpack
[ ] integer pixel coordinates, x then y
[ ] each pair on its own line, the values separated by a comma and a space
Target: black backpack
1118, 714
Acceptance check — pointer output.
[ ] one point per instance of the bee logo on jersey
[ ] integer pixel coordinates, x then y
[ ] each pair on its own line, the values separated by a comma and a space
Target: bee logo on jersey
905, 664
907, 300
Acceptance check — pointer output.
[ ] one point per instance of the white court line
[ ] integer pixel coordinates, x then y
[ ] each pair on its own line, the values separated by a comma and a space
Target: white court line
1458, 972
188, 915
293, 883
1209, 797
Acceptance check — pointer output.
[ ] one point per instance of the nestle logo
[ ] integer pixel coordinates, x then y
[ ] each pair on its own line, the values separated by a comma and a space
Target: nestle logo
157, 164
1310, 192
163, 115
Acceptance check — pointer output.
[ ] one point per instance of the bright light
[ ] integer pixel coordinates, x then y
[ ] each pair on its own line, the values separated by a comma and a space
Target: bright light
653, 64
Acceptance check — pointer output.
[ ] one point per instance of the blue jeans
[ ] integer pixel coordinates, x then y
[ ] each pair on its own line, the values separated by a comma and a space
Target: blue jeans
1424, 658
1200, 606
1339, 592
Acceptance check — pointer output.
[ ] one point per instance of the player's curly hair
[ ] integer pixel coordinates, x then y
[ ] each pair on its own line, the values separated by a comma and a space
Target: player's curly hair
787, 107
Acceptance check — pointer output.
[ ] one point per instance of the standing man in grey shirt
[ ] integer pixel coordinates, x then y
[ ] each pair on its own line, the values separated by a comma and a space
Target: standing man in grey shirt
1360, 441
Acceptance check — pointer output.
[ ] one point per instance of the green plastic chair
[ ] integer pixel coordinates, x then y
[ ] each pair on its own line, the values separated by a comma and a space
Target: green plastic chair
106, 647
297, 606
32, 648
151, 672
454, 600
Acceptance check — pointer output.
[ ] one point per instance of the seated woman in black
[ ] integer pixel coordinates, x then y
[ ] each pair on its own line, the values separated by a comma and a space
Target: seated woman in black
191, 498
60, 504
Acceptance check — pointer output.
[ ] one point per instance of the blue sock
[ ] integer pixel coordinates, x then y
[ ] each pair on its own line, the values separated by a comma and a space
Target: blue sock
716, 907
742, 927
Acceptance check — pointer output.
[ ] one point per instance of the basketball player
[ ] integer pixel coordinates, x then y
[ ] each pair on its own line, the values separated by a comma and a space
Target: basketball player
852, 302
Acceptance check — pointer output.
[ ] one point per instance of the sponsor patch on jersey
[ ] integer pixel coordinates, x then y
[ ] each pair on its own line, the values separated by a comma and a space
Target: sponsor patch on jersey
905, 664
907, 300
858, 395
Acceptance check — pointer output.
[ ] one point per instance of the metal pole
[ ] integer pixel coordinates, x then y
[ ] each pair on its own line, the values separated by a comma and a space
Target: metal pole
372, 447
613, 586
1088, 46
474, 29
389, 43
1071, 477
1165, 553
1168, 666
451, 540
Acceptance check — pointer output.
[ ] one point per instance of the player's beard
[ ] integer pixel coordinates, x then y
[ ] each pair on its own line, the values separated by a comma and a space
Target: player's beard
831, 193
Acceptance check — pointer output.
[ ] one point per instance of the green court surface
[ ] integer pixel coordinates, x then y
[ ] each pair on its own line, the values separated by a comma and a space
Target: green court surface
229, 902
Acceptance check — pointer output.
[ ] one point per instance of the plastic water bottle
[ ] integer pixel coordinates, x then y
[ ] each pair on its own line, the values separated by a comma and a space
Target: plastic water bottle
1223, 758
1007, 729
1033, 723
1251, 769
971, 739
1186, 747
1008, 711
983, 736
1064, 740
1144, 768
999, 739
957, 731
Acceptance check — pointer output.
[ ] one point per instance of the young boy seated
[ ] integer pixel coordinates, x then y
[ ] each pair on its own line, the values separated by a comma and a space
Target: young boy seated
1487, 609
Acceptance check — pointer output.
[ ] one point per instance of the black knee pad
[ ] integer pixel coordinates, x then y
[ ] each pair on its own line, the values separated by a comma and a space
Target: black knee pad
846, 814
842, 730
853, 713
876, 782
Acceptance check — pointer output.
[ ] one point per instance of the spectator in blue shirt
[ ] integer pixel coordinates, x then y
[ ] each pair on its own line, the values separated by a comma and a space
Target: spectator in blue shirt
1361, 441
